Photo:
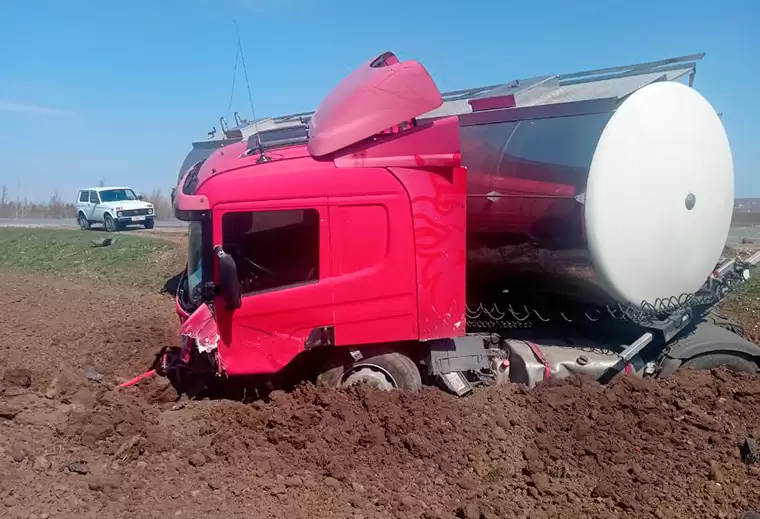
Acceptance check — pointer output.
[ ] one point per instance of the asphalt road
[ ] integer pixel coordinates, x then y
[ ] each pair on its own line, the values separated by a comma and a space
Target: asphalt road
750, 234
31, 223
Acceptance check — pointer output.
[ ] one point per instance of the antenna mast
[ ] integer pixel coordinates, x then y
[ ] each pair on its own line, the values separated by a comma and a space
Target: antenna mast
245, 71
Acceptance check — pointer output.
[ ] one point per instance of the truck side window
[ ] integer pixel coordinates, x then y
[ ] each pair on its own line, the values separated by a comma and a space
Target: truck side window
94, 199
84, 196
273, 249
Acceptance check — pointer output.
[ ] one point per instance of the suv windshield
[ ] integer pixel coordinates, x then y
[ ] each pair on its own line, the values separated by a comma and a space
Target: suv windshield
117, 195
194, 259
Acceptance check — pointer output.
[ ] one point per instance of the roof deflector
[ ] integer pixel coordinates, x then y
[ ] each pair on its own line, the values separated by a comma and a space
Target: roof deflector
378, 95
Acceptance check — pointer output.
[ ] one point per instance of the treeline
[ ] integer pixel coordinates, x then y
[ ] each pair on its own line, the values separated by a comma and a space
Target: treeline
56, 207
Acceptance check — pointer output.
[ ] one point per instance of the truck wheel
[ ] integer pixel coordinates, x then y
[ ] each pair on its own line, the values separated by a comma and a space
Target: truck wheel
716, 360
109, 223
149, 224
84, 223
384, 370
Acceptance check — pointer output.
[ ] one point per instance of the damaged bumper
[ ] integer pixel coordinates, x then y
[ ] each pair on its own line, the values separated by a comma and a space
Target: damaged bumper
200, 328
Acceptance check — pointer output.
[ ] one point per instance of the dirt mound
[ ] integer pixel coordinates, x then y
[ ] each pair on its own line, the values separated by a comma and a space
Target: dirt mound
635, 449
570, 449
73, 446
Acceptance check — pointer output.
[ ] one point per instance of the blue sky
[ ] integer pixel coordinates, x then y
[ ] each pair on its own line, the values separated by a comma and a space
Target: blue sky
93, 89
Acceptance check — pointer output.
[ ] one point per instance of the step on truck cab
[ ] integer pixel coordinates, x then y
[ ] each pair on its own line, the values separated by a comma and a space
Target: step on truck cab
394, 238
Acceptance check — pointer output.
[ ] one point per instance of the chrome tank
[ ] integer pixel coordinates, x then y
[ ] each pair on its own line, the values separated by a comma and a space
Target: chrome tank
525, 204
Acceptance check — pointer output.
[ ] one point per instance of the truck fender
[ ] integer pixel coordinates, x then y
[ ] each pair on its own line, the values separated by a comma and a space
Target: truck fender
706, 338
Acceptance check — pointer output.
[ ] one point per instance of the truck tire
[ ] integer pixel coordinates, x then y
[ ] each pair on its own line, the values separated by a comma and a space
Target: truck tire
149, 224
733, 361
83, 222
386, 370
109, 224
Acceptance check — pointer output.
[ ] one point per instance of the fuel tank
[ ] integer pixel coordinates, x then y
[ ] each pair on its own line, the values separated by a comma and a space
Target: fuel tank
604, 202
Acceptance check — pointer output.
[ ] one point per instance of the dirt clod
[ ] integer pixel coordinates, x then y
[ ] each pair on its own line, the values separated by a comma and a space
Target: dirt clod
41, 463
7, 412
17, 453
20, 377
541, 482
716, 473
100, 483
197, 459
294, 482
332, 482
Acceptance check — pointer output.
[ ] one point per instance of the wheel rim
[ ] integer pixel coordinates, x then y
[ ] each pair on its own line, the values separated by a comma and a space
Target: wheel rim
82, 221
370, 374
109, 223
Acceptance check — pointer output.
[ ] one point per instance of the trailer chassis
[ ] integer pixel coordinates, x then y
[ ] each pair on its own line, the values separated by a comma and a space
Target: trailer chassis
665, 336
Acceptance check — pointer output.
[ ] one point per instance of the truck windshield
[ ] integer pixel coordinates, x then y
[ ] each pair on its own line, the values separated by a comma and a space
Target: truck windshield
117, 195
194, 259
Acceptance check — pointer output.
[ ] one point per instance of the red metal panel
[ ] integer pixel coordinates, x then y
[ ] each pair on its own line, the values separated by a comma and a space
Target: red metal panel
373, 98
492, 103
374, 279
439, 208
432, 144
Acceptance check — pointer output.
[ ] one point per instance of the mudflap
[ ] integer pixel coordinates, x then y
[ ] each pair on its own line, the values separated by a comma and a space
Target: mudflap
706, 338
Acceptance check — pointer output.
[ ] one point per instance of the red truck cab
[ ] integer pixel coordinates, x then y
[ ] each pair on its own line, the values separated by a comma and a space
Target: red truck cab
347, 233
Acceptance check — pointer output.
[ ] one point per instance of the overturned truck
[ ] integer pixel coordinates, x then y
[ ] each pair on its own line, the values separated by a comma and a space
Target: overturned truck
554, 225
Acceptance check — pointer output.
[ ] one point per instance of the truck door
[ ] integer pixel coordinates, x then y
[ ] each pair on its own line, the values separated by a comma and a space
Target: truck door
283, 263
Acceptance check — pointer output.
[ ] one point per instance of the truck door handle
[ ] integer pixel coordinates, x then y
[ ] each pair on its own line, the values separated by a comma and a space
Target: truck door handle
493, 196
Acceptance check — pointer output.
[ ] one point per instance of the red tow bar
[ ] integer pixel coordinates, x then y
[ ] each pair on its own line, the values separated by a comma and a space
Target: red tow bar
139, 378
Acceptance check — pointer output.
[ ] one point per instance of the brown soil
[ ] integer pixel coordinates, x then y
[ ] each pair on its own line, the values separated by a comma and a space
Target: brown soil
75, 447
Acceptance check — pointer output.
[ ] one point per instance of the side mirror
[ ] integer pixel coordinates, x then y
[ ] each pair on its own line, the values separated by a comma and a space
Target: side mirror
140, 197
228, 279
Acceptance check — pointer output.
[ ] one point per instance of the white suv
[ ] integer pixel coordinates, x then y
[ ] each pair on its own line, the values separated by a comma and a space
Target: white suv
114, 207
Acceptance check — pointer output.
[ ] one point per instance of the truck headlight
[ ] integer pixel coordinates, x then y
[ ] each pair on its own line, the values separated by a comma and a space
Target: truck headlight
150, 210
118, 214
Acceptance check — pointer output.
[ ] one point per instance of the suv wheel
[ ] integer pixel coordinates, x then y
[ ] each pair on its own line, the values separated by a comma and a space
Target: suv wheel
149, 224
109, 223
83, 222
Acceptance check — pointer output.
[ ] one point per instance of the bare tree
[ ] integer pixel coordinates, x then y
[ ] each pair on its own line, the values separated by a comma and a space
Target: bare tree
161, 205
4, 201
18, 198
56, 205
102, 182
